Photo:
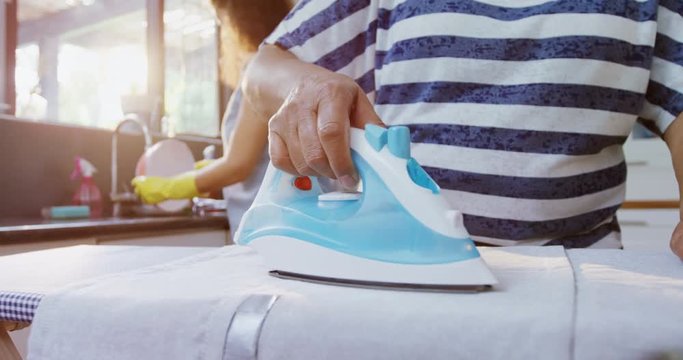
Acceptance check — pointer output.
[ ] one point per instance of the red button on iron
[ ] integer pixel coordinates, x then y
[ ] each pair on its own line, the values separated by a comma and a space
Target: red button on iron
303, 183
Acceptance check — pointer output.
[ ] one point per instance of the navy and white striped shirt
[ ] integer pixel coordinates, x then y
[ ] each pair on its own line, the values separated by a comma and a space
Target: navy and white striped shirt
517, 108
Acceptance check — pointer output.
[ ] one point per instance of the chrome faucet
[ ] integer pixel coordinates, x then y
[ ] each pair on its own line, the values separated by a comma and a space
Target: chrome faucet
126, 196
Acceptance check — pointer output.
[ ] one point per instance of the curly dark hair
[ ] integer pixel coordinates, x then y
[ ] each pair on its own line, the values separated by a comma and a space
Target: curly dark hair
251, 20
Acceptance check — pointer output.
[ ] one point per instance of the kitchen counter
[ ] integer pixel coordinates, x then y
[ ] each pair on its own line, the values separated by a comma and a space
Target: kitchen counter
14, 231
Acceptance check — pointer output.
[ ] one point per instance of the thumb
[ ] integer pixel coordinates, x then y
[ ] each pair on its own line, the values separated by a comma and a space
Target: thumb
364, 113
138, 180
677, 240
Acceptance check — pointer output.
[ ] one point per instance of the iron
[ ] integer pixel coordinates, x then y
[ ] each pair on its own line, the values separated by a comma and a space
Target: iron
396, 232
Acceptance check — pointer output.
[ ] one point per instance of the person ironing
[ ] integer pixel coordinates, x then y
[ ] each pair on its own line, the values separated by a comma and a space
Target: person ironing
518, 113
244, 133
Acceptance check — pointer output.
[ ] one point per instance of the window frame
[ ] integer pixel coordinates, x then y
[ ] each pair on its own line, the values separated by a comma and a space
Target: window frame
156, 46
10, 41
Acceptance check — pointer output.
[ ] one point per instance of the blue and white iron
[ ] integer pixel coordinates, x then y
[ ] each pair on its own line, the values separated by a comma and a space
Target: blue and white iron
398, 232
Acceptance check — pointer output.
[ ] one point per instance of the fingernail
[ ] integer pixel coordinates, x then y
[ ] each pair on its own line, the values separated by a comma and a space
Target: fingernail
348, 181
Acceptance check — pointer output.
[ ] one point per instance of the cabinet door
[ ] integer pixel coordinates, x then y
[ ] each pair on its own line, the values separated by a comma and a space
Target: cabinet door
648, 229
651, 175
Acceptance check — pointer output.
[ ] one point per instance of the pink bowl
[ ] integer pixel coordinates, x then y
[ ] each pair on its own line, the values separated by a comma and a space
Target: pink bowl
167, 158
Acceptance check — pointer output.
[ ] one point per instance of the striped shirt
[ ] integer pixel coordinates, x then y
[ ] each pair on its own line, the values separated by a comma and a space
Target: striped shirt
517, 108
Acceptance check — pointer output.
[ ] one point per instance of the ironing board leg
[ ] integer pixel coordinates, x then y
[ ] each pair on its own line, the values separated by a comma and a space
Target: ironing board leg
7, 349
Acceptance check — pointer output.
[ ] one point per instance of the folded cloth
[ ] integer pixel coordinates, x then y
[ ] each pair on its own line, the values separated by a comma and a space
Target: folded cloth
629, 304
22, 283
182, 310
57, 268
178, 310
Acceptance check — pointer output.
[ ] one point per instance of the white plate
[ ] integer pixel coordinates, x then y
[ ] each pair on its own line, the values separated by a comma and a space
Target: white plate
167, 158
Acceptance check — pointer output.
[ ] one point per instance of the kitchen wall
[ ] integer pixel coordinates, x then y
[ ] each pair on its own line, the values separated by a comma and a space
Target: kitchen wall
2, 54
36, 160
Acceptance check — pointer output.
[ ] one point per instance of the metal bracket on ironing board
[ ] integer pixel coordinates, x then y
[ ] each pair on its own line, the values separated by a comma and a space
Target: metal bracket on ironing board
241, 340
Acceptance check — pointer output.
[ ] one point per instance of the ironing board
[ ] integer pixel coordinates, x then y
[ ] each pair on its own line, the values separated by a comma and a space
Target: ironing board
26, 278
601, 276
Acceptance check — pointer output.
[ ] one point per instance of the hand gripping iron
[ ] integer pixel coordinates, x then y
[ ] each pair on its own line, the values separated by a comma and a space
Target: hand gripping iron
398, 232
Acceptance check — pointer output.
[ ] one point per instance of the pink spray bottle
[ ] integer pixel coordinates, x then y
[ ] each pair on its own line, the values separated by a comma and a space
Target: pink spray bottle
87, 193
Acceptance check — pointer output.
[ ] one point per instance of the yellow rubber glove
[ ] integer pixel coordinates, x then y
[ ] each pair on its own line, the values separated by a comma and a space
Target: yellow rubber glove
155, 189
203, 163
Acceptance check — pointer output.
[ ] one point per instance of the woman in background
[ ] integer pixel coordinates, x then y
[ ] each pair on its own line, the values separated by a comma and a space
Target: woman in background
245, 134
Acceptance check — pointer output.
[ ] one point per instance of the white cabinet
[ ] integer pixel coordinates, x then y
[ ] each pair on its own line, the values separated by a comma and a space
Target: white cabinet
650, 176
651, 209
647, 229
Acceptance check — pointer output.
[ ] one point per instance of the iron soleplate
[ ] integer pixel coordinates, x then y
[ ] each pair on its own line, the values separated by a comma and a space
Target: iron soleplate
381, 285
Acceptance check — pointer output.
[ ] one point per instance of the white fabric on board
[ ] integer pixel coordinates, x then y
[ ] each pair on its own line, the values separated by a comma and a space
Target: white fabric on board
182, 310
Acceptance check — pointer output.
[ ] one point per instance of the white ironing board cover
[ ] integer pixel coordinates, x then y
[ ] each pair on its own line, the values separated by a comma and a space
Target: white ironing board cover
629, 304
528, 315
181, 310
26, 278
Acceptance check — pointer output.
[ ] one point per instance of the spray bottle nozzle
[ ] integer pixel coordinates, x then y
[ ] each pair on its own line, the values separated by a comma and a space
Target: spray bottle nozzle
82, 169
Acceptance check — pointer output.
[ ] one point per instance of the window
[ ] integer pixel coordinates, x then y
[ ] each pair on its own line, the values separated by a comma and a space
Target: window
90, 62
29, 102
191, 86
5, 103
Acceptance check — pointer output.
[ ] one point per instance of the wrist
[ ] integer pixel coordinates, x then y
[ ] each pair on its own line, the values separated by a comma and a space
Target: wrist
182, 186
272, 75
